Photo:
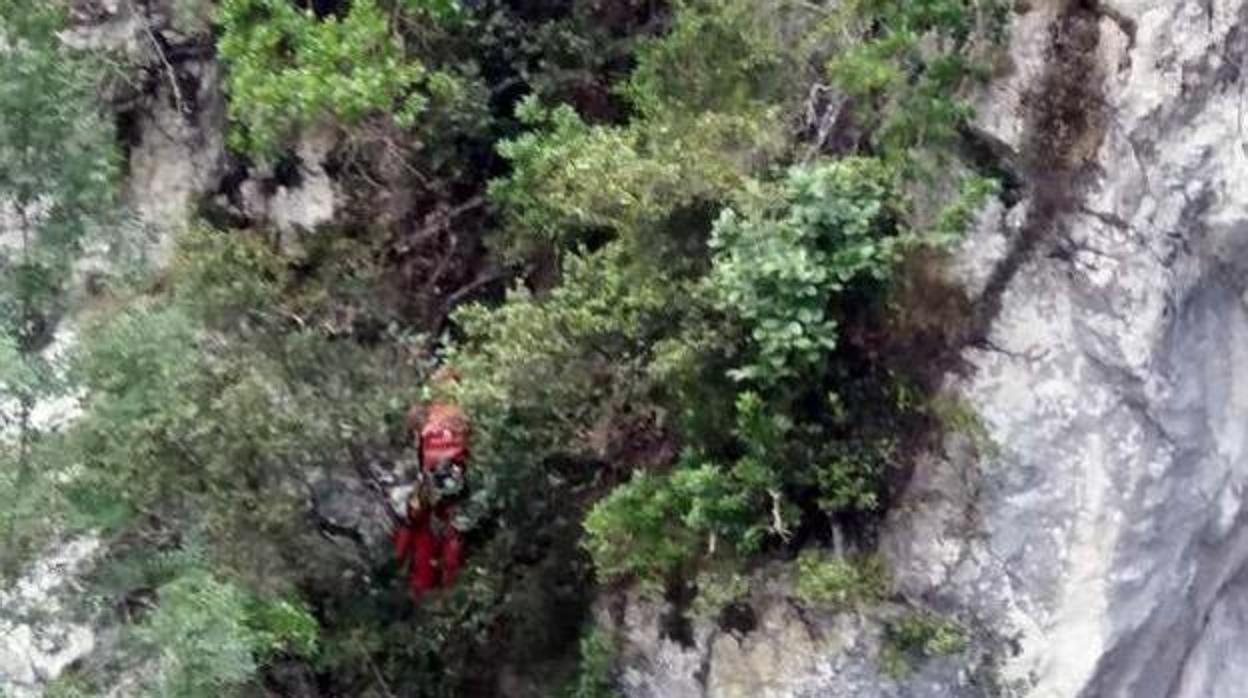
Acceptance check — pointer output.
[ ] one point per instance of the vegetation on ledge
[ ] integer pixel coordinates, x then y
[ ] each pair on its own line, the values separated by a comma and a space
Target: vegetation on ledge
666, 245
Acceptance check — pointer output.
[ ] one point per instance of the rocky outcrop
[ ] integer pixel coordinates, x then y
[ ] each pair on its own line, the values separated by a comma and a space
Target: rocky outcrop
1109, 530
1100, 549
355, 515
171, 110
168, 101
772, 646
37, 640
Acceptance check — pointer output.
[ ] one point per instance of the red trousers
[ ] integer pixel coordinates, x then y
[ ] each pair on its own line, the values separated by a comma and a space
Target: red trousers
434, 556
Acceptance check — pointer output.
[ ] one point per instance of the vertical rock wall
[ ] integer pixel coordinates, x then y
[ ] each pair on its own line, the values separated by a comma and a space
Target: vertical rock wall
1099, 549
1103, 546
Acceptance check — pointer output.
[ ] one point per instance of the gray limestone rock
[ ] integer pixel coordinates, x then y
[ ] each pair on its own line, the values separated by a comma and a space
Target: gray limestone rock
347, 508
780, 648
1100, 549
37, 638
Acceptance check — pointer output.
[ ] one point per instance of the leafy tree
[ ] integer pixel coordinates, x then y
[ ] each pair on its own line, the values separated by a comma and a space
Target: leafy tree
908, 72
289, 68
782, 275
692, 372
209, 409
211, 636
707, 96
57, 166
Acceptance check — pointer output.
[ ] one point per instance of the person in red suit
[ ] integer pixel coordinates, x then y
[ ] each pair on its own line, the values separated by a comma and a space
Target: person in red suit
428, 542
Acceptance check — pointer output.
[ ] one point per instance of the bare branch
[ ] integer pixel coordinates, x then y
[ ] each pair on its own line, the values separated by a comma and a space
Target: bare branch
170, 71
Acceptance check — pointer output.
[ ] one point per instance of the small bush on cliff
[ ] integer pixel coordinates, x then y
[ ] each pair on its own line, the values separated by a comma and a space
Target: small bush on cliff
594, 672
717, 589
211, 638
655, 526
839, 582
916, 636
907, 74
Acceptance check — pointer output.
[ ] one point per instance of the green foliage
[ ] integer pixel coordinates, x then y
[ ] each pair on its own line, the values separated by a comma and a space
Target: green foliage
570, 178
636, 530
906, 75
731, 56
593, 679
544, 375
919, 635
783, 273
57, 157
207, 408
57, 166
959, 417
282, 627
657, 525
823, 580
57, 163
200, 630
68, 685
850, 474
224, 278
206, 411
288, 69
212, 638
717, 589
769, 291
212, 400
707, 97
957, 215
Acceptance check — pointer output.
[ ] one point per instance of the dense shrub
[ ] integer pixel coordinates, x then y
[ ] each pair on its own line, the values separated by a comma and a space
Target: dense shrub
823, 580
58, 164
655, 526
782, 273
549, 375
289, 68
908, 72
689, 361
211, 637
708, 98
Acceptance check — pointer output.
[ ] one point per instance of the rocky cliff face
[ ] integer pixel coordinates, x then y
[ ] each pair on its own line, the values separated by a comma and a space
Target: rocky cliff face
1100, 549
171, 111
37, 641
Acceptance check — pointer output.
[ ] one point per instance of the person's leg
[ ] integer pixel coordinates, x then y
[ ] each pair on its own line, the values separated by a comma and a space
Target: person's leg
452, 548
424, 549
402, 542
